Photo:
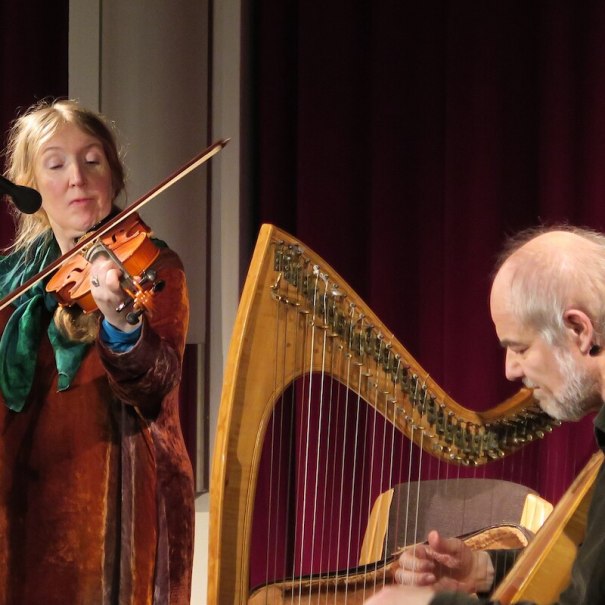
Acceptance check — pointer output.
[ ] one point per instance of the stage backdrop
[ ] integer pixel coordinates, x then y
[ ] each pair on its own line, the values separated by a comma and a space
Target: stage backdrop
403, 141
33, 65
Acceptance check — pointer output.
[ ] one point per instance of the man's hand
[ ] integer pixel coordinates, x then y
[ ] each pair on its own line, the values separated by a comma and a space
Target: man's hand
445, 564
399, 595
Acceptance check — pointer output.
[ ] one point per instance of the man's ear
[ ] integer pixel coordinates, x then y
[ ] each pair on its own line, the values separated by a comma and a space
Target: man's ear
581, 329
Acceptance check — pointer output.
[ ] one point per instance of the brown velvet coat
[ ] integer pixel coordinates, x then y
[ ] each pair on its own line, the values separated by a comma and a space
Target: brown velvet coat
96, 489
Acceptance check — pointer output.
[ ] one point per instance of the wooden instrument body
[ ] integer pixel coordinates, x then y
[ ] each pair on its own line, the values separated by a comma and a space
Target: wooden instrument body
290, 290
542, 572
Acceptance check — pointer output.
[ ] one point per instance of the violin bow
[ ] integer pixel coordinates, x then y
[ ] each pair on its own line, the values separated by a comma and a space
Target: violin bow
89, 238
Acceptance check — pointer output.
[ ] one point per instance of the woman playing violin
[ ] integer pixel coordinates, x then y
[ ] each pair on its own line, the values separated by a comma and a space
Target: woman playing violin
96, 489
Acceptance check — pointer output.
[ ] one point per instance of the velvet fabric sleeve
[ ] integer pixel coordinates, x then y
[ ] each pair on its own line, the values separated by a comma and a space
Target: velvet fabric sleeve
145, 374
146, 378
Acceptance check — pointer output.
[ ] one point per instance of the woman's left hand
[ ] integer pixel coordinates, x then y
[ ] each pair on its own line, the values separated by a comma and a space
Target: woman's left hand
105, 288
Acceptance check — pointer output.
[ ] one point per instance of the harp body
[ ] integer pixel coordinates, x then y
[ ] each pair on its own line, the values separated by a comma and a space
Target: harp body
543, 569
298, 320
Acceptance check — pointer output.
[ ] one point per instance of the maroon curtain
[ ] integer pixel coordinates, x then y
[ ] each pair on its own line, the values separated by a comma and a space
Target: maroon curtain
403, 141
33, 65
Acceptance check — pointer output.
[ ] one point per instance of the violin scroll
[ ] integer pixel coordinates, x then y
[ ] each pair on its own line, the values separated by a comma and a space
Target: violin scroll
140, 294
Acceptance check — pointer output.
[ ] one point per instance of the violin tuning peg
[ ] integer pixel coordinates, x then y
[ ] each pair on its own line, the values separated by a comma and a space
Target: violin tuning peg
147, 276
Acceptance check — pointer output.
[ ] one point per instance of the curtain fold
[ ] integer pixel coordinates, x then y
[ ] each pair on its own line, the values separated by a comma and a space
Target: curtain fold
33, 65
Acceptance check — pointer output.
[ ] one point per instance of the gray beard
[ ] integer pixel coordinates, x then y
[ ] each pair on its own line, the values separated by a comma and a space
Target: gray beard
580, 393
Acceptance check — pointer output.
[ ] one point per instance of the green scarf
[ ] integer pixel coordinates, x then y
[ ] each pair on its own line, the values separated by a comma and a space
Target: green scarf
22, 335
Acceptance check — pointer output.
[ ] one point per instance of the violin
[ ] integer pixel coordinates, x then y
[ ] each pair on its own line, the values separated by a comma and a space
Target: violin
129, 245
125, 239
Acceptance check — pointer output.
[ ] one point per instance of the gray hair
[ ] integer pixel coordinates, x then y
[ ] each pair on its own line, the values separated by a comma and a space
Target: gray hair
548, 280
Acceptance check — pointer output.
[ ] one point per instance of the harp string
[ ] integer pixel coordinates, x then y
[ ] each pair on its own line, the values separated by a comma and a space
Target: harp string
342, 521
335, 399
302, 449
307, 431
391, 413
392, 462
385, 457
291, 310
324, 361
315, 326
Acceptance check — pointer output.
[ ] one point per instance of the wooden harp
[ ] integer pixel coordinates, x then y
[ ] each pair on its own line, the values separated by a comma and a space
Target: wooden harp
301, 330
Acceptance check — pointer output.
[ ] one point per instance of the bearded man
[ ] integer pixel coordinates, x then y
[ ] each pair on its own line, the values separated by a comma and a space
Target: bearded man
548, 307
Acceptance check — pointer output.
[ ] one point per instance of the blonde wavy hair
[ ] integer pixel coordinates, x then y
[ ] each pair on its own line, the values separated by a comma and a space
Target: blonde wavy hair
25, 139
27, 135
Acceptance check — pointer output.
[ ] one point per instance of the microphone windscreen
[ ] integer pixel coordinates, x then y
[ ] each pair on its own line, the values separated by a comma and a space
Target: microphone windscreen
26, 199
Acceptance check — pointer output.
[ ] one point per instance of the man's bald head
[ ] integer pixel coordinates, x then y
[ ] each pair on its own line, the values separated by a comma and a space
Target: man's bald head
547, 305
545, 272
